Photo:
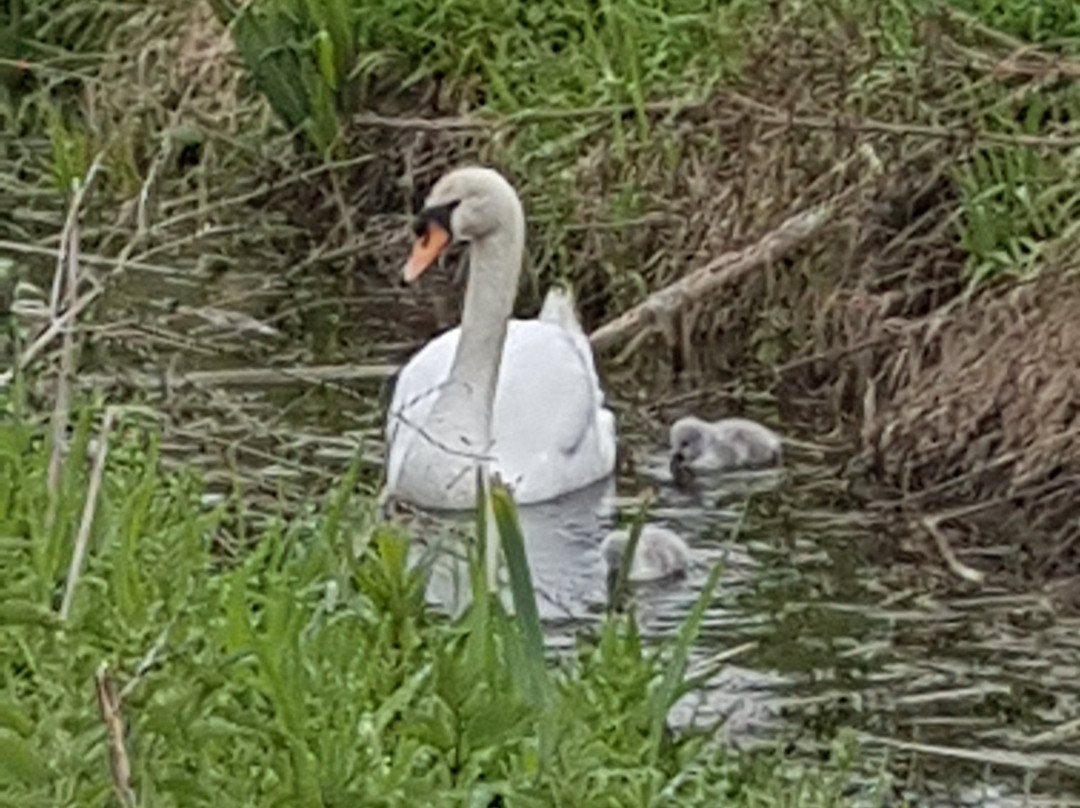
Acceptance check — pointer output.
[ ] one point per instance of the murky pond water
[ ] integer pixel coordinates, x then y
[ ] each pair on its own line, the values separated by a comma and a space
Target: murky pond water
969, 696
961, 699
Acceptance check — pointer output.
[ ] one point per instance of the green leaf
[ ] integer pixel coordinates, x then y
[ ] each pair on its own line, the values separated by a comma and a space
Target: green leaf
18, 760
521, 587
675, 668
25, 613
324, 53
13, 717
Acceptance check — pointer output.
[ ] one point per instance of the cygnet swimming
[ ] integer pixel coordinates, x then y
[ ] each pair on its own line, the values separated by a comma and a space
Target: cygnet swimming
725, 445
660, 553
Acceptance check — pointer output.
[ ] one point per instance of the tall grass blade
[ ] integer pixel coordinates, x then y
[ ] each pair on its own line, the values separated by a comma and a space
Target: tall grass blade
675, 670
480, 648
521, 587
617, 593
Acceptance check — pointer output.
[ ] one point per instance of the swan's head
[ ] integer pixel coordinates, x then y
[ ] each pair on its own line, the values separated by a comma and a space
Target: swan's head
467, 205
687, 442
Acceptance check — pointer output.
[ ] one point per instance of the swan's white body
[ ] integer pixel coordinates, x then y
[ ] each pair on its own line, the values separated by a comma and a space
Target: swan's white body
551, 433
660, 553
521, 396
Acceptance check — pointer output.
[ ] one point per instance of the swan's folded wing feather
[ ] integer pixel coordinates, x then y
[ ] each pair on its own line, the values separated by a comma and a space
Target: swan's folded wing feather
558, 309
549, 397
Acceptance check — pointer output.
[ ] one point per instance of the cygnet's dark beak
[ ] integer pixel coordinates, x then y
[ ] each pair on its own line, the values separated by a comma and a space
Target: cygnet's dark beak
680, 472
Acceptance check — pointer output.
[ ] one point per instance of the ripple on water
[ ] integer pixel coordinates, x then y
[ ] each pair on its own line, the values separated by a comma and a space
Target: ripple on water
821, 639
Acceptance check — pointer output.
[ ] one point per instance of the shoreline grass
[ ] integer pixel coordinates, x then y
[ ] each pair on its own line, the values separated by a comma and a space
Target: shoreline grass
303, 674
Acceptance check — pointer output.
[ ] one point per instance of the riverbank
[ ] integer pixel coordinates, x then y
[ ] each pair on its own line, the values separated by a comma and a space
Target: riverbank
931, 147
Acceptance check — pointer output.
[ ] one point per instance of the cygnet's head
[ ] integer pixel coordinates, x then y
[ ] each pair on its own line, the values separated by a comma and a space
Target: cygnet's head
688, 442
660, 553
467, 205
613, 548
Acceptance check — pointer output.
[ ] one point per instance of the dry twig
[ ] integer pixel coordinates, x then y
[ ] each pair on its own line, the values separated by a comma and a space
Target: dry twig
244, 377
720, 272
83, 537
839, 123
961, 569
119, 763
66, 281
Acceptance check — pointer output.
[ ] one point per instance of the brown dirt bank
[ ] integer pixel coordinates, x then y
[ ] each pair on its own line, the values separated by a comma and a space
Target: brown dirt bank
977, 426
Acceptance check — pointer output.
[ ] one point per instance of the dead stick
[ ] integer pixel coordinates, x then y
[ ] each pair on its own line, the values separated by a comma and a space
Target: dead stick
777, 117
702, 282
62, 401
119, 762
61, 323
175, 275
65, 279
525, 116
245, 377
421, 124
83, 537
959, 568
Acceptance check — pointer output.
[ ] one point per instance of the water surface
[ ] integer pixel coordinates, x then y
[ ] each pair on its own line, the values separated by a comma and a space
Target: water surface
957, 698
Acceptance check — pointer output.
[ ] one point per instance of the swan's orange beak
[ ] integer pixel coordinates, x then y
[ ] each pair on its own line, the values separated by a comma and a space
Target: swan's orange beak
426, 251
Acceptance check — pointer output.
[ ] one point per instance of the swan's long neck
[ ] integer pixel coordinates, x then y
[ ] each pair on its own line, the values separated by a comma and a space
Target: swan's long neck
494, 268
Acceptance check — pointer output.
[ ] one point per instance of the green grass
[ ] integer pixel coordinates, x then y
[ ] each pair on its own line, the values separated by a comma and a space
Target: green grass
315, 60
319, 62
291, 671
1015, 203
1019, 203
1041, 21
36, 28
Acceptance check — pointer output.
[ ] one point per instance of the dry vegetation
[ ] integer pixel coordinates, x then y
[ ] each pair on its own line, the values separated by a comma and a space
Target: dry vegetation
929, 317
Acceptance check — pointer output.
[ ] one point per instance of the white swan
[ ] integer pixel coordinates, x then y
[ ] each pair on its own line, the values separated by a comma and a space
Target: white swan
725, 445
521, 394
660, 553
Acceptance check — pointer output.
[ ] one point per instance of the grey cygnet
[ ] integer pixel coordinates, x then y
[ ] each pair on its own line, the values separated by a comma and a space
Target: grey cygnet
725, 445
660, 553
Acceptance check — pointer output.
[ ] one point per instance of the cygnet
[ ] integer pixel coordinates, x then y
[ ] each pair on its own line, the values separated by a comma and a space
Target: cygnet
725, 445
660, 553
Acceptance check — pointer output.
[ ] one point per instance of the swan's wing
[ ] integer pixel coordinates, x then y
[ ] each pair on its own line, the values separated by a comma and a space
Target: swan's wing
548, 396
547, 393
559, 309
550, 430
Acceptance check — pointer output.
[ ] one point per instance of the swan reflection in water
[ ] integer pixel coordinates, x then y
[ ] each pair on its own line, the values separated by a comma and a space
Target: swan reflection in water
562, 546
563, 540
562, 543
